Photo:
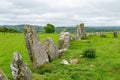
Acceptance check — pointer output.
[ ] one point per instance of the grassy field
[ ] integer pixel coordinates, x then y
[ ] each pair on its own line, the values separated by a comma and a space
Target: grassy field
106, 66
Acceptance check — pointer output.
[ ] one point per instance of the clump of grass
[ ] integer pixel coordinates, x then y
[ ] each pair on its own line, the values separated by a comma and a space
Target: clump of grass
75, 76
89, 53
46, 68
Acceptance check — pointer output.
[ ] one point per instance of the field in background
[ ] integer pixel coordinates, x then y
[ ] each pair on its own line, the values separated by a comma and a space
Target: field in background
71, 29
106, 66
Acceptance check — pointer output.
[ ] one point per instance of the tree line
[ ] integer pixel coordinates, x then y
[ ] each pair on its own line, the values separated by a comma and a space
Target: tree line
50, 28
9, 30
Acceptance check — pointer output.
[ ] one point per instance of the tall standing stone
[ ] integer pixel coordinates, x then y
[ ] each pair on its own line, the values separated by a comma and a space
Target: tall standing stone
37, 53
80, 31
3, 76
51, 49
64, 40
115, 34
19, 69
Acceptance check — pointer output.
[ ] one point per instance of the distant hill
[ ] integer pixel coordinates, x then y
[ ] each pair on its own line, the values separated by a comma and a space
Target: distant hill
21, 27
67, 28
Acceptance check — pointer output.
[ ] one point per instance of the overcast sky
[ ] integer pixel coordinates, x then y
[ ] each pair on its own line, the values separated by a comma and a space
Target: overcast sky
60, 12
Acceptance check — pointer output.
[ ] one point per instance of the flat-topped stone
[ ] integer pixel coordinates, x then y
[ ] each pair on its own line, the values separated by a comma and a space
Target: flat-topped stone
51, 48
80, 31
64, 40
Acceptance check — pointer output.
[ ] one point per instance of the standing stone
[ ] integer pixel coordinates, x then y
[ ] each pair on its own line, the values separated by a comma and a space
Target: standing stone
3, 76
64, 41
37, 53
19, 69
83, 34
80, 31
51, 49
102, 34
115, 34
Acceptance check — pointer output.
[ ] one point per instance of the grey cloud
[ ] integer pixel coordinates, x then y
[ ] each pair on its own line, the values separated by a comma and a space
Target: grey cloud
60, 12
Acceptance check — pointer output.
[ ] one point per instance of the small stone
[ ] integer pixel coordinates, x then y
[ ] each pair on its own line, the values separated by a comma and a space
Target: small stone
73, 38
81, 56
91, 65
62, 51
65, 62
74, 61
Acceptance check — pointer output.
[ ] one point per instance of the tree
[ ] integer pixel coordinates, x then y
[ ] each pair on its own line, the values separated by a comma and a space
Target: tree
49, 28
9, 30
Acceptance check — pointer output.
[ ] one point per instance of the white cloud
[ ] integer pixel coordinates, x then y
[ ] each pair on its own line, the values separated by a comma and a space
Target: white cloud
60, 12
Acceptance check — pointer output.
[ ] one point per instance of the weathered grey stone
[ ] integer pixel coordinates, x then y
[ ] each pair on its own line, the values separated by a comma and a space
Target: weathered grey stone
51, 49
74, 61
19, 69
3, 76
72, 38
37, 53
62, 51
102, 34
64, 40
115, 34
61, 43
80, 31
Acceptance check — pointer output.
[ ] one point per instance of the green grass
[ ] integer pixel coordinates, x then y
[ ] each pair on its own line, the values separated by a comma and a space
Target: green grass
106, 66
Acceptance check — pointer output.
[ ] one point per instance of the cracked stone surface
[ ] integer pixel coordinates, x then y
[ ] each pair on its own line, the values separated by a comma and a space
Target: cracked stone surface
64, 40
36, 50
51, 48
19, 69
